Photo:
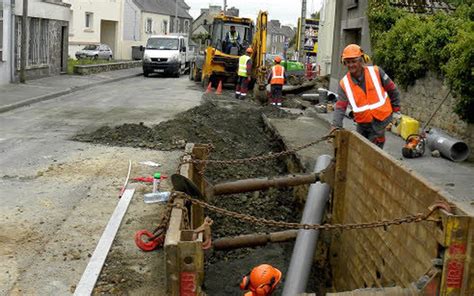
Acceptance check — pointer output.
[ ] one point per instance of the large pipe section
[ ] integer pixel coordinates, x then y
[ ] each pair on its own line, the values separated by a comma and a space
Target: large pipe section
253, 240
449, 147
249, 185
306, 240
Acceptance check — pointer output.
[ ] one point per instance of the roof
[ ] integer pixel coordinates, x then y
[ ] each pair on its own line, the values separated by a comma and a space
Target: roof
166, 7
427, 6
275, 28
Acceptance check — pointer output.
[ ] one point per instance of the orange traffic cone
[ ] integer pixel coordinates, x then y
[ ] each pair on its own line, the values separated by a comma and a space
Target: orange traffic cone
219, 88
209, 88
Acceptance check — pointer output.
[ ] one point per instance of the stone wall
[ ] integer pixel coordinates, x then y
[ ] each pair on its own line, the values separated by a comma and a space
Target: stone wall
421, 100
91, 69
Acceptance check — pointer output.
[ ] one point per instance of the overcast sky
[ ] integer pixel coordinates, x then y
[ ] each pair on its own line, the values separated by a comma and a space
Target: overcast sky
287, 11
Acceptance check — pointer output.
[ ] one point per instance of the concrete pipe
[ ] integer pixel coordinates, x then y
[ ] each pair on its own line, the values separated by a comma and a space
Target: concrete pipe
306, 240
449, 147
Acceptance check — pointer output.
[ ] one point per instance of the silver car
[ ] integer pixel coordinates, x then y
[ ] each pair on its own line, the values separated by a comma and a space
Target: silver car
95, 51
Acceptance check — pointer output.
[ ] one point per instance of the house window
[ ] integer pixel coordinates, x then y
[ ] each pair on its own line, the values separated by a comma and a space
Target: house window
149, 26
38, 45
186, 26
164, 27
1, 31
89, 20
352, 4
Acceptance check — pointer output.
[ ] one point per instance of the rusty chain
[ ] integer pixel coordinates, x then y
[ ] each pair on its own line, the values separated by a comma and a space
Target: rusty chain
205, 162
416, 218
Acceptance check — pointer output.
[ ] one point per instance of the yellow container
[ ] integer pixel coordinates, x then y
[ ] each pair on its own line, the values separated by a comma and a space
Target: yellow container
408, 126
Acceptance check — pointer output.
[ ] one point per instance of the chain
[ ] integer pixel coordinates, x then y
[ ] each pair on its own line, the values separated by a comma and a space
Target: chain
205, 162
291, 225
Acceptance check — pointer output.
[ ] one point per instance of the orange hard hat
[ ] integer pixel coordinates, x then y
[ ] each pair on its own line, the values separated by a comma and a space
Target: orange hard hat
352, 51
277, 59
262, 280
249, 50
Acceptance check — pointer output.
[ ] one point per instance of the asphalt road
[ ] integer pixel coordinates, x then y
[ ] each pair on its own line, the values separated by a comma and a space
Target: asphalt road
54, 201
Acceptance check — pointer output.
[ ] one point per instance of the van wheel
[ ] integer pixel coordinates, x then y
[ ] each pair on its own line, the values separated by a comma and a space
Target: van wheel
146, 73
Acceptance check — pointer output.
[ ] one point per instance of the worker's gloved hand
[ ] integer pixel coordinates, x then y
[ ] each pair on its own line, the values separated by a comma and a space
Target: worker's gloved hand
396, 118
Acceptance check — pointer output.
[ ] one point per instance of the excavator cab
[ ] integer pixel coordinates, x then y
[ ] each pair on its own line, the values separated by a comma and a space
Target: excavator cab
221, 27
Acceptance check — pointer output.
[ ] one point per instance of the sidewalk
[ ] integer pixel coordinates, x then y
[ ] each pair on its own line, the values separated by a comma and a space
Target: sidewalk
18, 95
454, 178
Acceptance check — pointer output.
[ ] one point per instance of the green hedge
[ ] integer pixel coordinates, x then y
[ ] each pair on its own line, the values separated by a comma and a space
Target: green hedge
408, 45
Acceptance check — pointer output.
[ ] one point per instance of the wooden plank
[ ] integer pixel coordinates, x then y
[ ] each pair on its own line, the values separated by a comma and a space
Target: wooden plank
197, 212
96, 262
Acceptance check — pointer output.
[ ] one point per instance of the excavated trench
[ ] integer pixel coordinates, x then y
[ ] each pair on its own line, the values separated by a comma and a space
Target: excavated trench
236, 130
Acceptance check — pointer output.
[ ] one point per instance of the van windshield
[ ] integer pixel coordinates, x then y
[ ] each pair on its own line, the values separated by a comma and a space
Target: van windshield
162, 43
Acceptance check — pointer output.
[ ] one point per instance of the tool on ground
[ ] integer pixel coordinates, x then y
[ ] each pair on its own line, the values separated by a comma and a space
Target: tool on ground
147, 179
415, 144
122, 190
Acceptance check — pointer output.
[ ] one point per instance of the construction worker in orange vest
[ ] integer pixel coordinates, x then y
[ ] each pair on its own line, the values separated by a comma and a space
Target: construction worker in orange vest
244, 73
371, 93
261, 281
276, 78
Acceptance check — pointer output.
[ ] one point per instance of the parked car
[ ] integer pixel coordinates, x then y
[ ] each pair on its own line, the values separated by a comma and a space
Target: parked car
95, 51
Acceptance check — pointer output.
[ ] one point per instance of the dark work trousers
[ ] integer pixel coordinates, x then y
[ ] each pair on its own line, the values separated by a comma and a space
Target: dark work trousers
374, 131
242, 87
277, 93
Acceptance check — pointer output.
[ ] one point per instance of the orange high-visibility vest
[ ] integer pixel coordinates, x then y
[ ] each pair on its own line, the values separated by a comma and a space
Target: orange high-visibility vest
374, 103
278, 75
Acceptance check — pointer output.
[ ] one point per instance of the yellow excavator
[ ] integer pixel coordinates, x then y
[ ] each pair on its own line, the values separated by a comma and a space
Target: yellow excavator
216, 65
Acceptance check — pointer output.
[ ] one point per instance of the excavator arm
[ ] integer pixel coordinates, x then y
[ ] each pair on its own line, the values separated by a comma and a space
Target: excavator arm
259, 46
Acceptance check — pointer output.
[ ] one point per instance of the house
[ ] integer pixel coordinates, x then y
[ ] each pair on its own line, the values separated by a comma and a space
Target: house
123, 24
201, 24
326, 36
278, 37
46, 41
95, 22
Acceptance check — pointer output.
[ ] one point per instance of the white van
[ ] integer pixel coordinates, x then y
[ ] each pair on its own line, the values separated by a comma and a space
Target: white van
167, 54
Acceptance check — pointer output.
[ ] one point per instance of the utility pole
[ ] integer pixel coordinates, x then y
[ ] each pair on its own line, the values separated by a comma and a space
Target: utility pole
23, 42
176, 24
225, 6
302, 28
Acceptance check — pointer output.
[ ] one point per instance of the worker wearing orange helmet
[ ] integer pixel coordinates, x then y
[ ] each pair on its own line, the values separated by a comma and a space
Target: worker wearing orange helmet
373, 96
244, 73
261, 281
276, 78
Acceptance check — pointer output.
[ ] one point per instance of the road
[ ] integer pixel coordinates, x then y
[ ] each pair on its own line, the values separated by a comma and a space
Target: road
57, 195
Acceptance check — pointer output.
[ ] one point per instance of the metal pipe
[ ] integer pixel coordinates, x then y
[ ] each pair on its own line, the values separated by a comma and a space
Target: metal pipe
249, 185
302, 257
253, 240
449, 147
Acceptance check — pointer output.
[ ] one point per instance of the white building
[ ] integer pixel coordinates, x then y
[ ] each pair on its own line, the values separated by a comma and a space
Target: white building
122, 24
94, 22
326, 36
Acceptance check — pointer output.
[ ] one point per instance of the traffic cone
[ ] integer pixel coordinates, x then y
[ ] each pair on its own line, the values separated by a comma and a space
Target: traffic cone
209, 88
219, 88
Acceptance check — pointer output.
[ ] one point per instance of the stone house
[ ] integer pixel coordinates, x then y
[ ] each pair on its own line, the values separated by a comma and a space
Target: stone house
47, 42
277, 36
201, 25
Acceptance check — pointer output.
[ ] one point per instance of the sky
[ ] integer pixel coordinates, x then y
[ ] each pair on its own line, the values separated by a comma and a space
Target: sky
287, 11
